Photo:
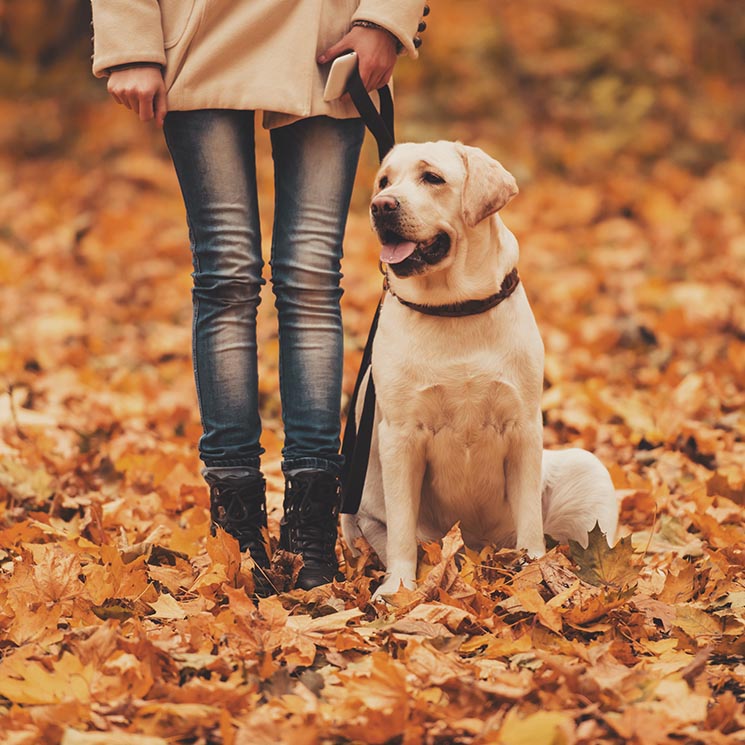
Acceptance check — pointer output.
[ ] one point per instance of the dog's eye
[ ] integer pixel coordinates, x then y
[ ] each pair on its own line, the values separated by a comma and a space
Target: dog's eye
383, 182
432, 178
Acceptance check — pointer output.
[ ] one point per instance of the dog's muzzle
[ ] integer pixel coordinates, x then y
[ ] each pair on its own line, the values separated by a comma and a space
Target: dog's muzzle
405, 254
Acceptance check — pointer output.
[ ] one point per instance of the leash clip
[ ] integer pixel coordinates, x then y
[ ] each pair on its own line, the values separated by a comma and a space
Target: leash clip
384, 272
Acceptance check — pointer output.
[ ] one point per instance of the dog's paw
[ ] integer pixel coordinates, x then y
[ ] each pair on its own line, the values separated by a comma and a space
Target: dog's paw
535, 547
535, 552
390, 587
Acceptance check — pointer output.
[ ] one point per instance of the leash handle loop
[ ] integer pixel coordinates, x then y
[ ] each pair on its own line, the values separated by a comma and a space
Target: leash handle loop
380, 123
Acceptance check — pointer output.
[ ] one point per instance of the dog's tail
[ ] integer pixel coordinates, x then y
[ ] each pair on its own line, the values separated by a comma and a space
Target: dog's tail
577, 492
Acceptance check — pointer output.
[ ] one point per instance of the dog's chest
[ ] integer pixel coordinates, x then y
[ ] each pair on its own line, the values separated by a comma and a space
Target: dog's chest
458, 398
464, 404
465, 422
453, 391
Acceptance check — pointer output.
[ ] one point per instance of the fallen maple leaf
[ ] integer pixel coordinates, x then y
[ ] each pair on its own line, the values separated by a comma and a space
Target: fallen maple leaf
25, 681
167, 607
603, 566
544, 727
697, 623
74, 737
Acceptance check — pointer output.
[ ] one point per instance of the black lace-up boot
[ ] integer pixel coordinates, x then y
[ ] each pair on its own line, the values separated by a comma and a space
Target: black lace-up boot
309, 526
238, 506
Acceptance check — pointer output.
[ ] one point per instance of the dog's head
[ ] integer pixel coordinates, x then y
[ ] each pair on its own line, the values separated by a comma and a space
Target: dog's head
428, 196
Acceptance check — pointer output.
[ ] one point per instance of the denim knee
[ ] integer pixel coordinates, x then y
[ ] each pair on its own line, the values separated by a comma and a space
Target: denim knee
227, 289
226, 271
309, 287
321, 300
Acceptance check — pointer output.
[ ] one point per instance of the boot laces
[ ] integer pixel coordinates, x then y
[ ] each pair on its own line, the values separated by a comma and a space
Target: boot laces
311, 513
240, 509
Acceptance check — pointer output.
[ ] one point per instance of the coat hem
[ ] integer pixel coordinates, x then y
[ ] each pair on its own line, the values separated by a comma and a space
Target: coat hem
275, 114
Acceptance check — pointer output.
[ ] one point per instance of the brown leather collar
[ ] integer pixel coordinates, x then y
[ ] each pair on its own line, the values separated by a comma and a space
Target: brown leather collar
466, 307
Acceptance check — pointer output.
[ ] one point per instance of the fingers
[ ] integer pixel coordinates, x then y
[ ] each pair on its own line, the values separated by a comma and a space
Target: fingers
341, 46
141, 90
375, 76
376, 52
384, 77
116, 93
145, 107
132, 101
161, 108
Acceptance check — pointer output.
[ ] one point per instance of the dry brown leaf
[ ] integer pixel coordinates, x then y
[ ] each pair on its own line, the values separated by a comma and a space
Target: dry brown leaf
603, 566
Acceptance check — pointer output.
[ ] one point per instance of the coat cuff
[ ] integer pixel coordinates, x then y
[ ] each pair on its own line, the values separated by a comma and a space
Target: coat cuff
126, 31
399, 17
104, 66
132, 66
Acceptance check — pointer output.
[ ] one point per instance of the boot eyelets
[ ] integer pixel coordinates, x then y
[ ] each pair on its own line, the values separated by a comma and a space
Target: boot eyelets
309, 526
238, 506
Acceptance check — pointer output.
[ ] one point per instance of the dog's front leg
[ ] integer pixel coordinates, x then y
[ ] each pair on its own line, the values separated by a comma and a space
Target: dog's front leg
523, 485
402, 457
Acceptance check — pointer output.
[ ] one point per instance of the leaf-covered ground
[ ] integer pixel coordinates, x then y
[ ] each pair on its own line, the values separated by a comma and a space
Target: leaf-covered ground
121, 621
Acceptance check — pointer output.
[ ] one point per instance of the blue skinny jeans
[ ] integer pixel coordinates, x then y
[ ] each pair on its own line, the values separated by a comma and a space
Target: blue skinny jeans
315, 161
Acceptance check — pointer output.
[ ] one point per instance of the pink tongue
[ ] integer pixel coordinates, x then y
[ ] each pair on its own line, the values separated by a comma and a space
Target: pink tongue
394, 253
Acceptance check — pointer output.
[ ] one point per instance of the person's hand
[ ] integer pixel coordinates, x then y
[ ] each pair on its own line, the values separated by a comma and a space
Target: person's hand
376, 54
141, 89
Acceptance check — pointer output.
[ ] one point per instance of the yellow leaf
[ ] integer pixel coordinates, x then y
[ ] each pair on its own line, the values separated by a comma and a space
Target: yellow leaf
696, 623
74, 737
225, 552
166, 606
25, 681
544, 727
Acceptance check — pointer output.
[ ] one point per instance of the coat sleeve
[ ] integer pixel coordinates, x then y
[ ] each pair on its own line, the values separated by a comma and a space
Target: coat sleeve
126, 31
400, 17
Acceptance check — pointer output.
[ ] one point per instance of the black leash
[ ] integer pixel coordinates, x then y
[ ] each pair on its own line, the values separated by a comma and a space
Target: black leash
379, 124
357, 438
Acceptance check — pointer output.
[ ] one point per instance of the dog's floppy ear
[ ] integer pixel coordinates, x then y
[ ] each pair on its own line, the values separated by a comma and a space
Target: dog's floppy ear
488, 185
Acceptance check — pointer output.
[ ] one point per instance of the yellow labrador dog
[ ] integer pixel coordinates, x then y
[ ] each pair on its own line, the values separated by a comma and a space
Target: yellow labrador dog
458, 370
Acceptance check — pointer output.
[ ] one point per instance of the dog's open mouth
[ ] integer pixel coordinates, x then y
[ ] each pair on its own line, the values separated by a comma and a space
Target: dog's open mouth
406, 257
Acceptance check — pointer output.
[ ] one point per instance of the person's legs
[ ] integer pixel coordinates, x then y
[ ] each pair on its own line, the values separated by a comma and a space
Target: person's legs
315, 161
213, 152
315, 164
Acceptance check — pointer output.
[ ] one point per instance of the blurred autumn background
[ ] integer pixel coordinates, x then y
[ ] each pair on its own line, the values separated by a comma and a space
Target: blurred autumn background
122, 622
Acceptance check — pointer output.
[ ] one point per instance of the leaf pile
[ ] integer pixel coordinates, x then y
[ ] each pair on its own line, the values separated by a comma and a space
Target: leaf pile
123, 621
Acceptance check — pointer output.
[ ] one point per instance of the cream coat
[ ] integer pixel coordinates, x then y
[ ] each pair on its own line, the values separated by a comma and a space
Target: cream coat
242, 54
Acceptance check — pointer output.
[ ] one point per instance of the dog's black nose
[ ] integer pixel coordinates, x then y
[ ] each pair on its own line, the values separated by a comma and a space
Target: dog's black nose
384, 204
